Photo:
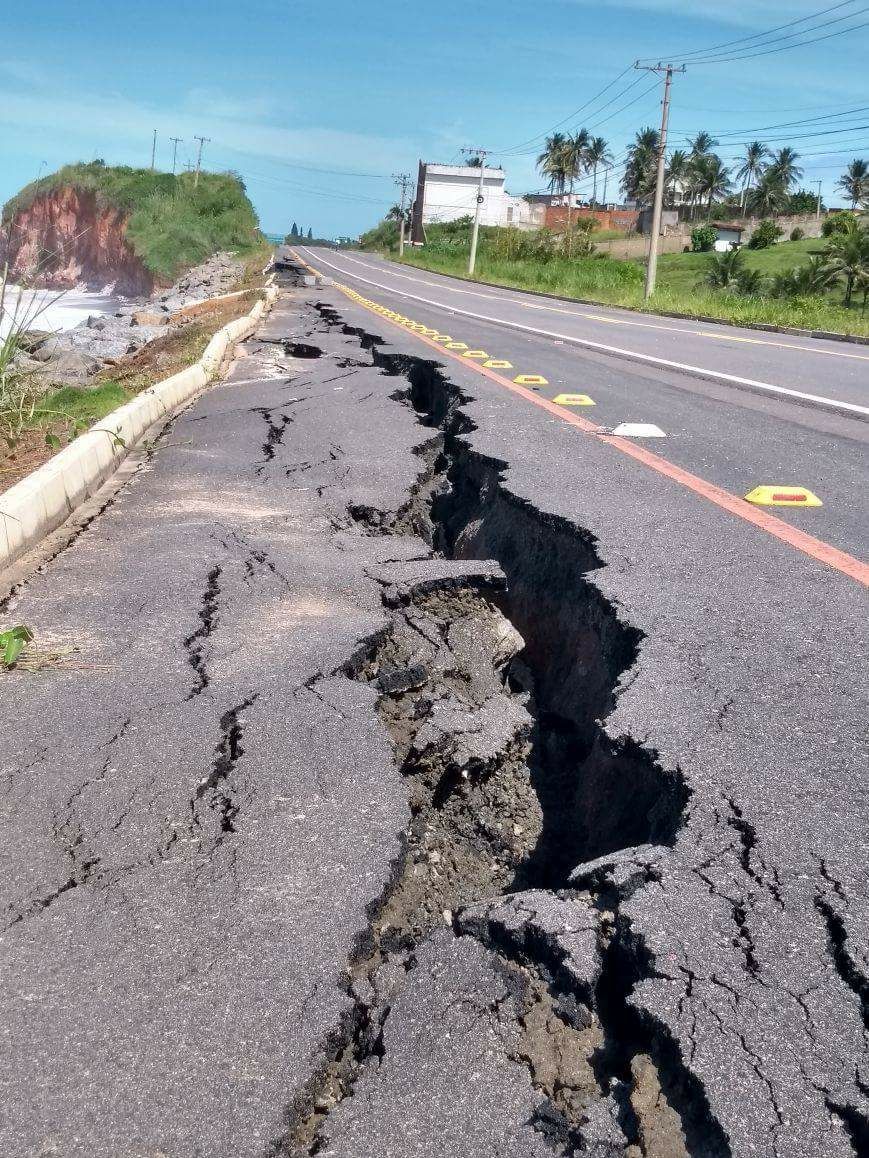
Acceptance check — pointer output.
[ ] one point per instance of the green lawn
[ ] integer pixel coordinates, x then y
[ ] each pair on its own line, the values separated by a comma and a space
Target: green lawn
681, 285
74, 405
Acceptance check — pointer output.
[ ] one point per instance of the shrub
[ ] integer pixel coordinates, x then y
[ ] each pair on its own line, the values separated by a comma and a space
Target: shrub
803, 281
842, 222
797, 234
749, 282
703, 238
766, 234
726, 268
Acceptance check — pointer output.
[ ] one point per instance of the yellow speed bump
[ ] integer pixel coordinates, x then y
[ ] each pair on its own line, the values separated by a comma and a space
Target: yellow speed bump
480, 355
457, 345
783, 497
573, 400
531, 380
498, 364
442, 338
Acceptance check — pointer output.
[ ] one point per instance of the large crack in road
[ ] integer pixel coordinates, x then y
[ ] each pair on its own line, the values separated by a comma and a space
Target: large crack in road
492, 688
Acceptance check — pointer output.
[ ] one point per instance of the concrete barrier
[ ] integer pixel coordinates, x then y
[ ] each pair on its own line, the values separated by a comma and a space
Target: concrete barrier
45, 499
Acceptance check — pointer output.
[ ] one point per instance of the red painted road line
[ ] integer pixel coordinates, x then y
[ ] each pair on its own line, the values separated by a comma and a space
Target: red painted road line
733, 504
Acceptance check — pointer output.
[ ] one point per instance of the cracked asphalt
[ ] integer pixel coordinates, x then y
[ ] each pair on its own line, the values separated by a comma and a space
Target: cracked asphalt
201, 809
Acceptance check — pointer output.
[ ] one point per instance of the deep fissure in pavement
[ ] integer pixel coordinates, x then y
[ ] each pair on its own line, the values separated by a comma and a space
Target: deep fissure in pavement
492, 694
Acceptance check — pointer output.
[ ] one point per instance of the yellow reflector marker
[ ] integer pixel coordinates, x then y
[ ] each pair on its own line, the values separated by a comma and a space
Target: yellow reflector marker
498, 364
457, 345
481, 355
783, 497
443, 338
573, 400
531, 380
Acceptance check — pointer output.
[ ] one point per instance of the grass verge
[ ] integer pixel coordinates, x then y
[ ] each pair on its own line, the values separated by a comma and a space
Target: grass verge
61, 414
681, 287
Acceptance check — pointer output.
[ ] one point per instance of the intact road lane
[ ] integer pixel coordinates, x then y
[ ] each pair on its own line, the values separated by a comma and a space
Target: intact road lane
797, 417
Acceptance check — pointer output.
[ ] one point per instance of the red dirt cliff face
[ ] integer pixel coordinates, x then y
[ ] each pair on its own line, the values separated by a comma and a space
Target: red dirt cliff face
64, 239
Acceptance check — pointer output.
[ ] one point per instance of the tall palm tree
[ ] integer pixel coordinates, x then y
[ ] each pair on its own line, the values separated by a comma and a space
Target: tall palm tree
752, 166
597, 153
784, 165
551, 162
854, 182
770, 195
638, 181
677, 172
713, 179
702, 144
573, 160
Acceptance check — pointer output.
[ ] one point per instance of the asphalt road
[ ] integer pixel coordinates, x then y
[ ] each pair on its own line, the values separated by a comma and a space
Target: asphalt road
734, 436
203, 815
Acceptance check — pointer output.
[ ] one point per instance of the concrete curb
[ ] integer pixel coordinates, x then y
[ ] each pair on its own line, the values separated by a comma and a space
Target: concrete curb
41, 502
768, 327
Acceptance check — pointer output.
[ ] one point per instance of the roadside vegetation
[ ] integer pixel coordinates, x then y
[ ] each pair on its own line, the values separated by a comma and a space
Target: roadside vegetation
776, 278
173, 224
804, 283
36, 419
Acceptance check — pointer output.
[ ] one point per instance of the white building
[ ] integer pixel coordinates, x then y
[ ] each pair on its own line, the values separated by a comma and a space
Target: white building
448, 192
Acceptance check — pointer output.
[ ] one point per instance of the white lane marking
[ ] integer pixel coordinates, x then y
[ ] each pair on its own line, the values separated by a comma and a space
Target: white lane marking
638, 430
664, 329
752, 383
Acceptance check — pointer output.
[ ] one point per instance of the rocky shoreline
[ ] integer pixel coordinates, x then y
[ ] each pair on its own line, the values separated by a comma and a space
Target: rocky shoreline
75, 357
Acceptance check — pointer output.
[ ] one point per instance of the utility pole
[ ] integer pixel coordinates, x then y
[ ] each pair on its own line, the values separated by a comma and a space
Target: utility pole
482, 154
606, 174
153, 150
652, 267
402, 179
818, 211
202, 141
176, 141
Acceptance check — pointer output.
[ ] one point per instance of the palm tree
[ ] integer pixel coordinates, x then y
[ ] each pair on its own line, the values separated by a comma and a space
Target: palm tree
638, 181
803, 280
752, 167
597, 153
854, 182
770, 195
573, 151
702, 144
725, 268
677, 172
784, 165
551, 162
847, 256
712, 178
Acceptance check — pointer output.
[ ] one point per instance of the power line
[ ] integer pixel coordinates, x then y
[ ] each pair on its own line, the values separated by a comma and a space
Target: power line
785, 47
570, 117
291, 163
686, 56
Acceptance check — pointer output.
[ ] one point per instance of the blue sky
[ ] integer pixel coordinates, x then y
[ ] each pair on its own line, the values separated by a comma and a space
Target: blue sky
286, 89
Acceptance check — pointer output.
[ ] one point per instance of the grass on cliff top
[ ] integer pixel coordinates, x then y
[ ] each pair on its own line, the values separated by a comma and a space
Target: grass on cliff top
172, 223
681, 285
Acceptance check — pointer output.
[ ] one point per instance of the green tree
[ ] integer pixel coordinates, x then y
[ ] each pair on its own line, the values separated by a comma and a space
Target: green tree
551, 162
847, 257
294, 232
770, 195
638, 181
753, 164
597, 153
712, 178
784, 166
310, 234
703, 238
677, 174
766, 234
854, 182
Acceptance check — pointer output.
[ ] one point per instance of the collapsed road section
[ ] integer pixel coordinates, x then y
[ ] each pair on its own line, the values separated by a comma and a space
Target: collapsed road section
392, 803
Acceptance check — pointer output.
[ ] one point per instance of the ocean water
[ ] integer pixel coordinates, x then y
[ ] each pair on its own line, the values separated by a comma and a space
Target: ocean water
52, 309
